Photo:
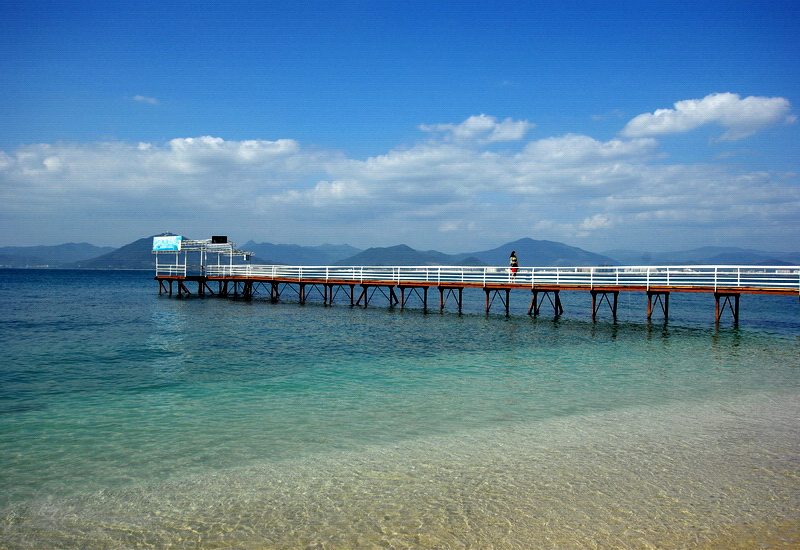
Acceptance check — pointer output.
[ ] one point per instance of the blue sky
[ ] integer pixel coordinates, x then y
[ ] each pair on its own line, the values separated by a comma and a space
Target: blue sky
454, 126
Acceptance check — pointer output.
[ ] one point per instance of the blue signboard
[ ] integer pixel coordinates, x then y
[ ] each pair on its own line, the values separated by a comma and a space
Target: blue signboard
167, 243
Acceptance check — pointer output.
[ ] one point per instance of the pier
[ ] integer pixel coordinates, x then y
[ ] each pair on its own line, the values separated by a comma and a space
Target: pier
411, 286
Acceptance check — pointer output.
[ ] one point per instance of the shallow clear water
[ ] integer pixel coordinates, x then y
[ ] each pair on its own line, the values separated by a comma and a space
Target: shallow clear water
129, 419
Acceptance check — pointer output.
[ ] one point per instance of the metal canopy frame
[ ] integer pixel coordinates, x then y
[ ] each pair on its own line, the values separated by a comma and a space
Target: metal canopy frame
203, 247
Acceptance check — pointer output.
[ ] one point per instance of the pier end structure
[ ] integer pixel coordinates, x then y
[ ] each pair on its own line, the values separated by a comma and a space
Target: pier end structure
179, 260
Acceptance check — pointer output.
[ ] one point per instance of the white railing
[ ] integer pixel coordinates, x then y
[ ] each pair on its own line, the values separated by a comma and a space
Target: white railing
171, 270
779, 278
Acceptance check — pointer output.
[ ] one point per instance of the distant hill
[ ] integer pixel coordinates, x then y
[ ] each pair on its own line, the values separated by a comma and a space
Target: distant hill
402, 255
294, 254
49, 256
136, 255
532, 253
707, 255
793, 258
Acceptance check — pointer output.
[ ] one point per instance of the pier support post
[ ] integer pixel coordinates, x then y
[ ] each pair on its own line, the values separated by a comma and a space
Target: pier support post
729, 300
604, 298
414, 290
497, 292
329, 294
449, 292
202, 287
364, 294
657, 297
536, 304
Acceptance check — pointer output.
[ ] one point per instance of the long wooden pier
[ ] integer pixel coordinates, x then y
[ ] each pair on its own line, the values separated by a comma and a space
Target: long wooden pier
403, 286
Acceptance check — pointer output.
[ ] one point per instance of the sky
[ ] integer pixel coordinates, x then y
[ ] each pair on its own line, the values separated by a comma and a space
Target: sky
455, 126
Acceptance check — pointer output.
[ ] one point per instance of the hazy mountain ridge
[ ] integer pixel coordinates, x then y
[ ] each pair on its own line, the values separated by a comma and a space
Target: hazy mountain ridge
402, 255
135, 255
706, 255
295, 254
531, 253
50, 256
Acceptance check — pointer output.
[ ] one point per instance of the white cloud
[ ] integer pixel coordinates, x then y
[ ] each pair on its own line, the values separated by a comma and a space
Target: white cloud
741, 117
448, 193
482, 129
145, 99
598, 221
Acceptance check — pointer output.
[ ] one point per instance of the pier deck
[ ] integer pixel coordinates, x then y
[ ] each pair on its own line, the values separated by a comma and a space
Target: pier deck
399, 284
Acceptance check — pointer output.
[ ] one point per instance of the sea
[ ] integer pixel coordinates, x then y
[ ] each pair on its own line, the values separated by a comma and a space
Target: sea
134, 419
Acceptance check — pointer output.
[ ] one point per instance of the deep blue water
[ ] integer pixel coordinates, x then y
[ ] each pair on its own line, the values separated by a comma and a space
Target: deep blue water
133, 419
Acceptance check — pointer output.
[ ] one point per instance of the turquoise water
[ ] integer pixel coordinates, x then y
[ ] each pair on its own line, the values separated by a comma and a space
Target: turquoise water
129, 419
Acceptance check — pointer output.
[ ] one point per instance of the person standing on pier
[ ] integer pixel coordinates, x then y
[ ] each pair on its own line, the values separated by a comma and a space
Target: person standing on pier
514, 264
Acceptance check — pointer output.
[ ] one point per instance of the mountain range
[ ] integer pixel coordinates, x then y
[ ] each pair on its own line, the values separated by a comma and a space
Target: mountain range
707, 255
294, 254
50, 256
137, 255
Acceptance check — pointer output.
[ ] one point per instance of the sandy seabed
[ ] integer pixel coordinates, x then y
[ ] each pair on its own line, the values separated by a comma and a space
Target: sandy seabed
715, 475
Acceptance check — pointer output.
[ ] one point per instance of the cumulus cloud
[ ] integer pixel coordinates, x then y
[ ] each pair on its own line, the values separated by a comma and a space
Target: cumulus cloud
482, 130
452, 191
741, 117
188, 173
